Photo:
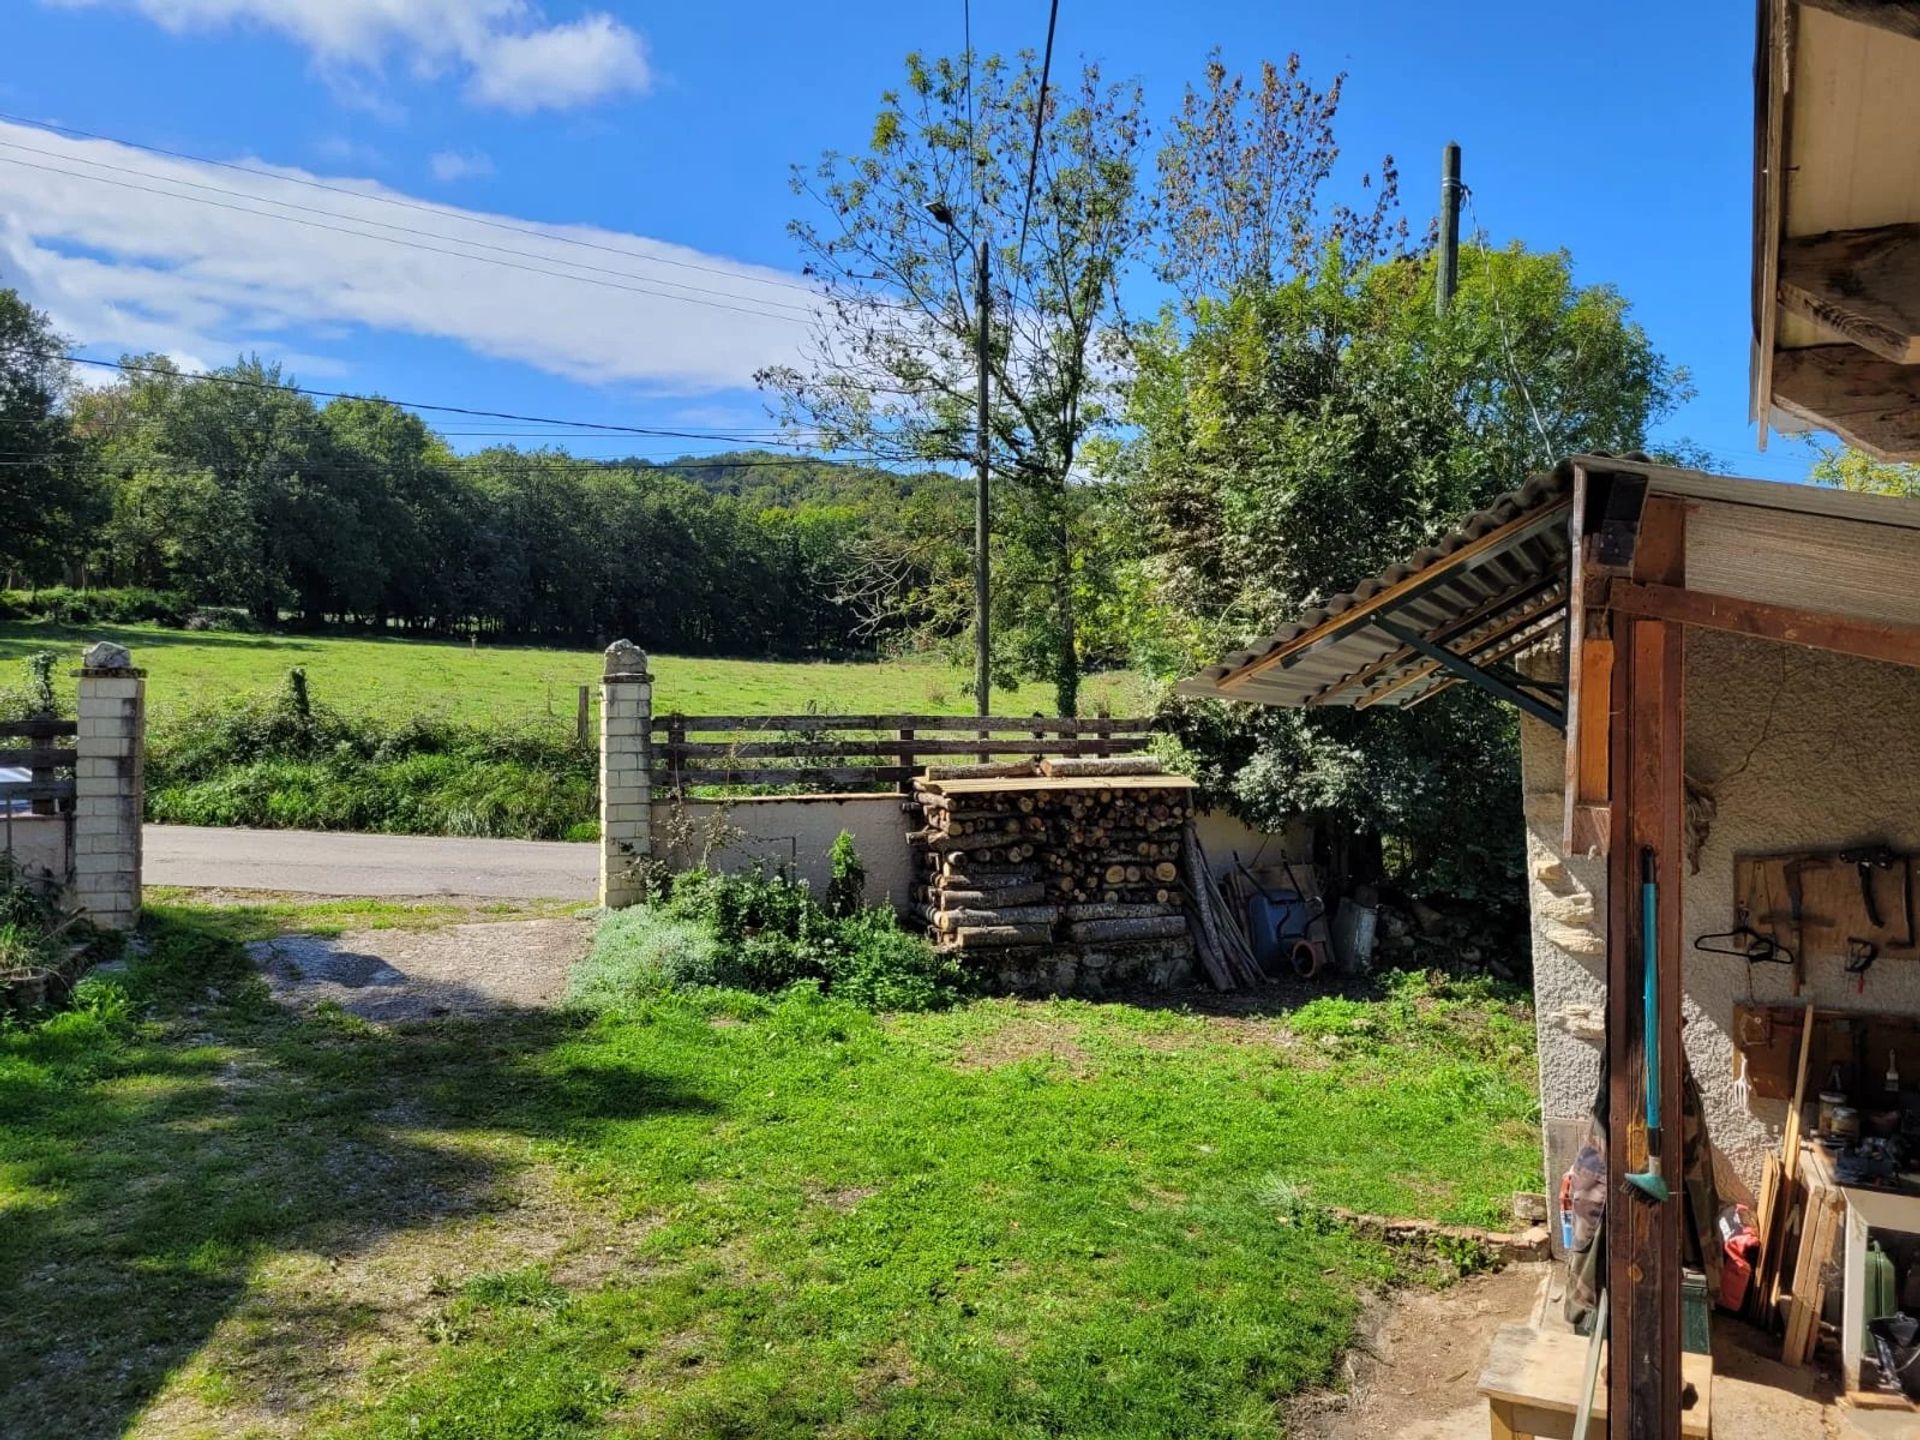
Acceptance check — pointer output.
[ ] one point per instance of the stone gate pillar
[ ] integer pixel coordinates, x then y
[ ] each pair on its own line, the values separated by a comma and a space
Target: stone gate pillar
109, 786
626, 787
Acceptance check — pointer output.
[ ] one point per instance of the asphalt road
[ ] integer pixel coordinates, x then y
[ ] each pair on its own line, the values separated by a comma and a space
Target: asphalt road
315, 863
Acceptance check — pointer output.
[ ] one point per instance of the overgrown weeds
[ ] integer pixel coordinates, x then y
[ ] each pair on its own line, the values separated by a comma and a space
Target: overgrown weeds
763, 931
288, 761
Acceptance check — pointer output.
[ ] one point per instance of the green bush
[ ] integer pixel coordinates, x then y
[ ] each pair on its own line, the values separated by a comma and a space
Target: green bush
287, 761
130, 605
762, 931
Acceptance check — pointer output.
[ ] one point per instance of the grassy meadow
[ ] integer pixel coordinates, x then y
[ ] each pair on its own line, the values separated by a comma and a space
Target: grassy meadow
717, 1214
512, 685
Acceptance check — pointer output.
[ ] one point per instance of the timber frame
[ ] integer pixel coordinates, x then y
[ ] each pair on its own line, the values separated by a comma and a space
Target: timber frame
1836, 216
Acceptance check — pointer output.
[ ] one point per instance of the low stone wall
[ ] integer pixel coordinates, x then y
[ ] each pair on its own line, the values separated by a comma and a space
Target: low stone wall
41, 846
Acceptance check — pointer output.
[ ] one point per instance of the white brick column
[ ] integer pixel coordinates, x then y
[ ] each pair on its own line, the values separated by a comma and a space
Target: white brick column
109, 786
626, 787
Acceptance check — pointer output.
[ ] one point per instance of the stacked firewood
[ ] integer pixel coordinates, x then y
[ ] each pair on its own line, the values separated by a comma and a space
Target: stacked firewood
1055, 882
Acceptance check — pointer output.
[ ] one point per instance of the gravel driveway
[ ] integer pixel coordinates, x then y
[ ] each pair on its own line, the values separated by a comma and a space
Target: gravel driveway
418, 974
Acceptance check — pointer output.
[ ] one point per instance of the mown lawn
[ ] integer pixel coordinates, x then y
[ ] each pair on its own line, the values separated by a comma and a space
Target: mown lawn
725, 1217
515, 684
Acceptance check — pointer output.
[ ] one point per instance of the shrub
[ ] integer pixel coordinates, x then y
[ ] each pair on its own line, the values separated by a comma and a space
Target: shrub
287, 760
129, 605
762, 931
641, 952
847, 889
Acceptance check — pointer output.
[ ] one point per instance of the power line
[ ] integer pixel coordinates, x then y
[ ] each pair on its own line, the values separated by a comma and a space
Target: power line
410, 244
206, 377
381, 224
398, 203
1039, 120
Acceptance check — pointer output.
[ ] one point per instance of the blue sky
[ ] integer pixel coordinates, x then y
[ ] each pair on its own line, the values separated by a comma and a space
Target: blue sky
1621, 133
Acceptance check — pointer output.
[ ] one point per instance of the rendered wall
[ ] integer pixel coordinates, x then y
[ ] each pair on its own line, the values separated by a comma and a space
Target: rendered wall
1800, 750
38, 845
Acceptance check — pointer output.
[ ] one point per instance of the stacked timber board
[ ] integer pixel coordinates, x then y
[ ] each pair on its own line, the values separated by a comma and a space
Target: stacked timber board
1057, 884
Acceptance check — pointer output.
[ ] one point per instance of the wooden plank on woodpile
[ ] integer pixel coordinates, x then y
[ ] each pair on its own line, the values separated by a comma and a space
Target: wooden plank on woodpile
977, 899
1871, 403
999, 937
1144, 928
945, 919
1072, 769
834, 745
1100, 910
1023, 769
1862, 285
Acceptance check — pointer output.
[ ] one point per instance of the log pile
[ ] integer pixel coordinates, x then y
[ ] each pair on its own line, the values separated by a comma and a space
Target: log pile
1059, 884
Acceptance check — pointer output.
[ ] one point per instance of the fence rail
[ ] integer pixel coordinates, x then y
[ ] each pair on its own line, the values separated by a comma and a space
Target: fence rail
43, 759
841, 752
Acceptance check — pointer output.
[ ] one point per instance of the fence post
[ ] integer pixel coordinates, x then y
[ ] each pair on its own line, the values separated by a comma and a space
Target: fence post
109, 786
626, 780
905, 758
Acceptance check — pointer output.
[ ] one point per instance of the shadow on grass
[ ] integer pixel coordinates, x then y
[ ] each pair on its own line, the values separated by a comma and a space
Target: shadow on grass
142, 1178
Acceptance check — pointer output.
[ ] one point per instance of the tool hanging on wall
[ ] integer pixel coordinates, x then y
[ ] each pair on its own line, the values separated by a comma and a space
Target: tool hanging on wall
1650, 1182
1860, 957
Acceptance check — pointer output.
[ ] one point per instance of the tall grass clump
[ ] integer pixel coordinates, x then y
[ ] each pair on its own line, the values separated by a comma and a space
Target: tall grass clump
763, 931
285, 760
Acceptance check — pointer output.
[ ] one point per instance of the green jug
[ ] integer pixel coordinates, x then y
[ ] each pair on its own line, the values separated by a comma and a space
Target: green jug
1882, 1289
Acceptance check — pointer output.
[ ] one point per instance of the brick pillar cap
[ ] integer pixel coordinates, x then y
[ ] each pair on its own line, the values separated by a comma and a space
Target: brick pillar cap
625, 661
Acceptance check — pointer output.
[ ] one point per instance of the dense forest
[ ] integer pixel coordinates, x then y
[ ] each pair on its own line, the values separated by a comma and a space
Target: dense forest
241, 492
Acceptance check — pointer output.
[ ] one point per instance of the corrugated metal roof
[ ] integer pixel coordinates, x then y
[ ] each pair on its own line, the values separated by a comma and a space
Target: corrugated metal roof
1489, 588
1495, 586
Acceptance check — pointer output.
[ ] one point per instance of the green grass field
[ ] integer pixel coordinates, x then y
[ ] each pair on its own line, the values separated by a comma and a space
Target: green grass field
513, 684
719, 1216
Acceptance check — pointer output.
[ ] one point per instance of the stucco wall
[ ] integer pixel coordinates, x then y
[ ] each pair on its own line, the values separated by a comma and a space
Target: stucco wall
38, 844
1801, 750
797, 831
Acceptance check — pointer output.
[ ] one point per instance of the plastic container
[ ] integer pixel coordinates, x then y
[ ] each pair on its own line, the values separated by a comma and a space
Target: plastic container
1275, 919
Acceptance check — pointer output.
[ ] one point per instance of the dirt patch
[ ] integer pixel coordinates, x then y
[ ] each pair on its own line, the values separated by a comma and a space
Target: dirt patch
392, 975
1027, 1038
1412, 1373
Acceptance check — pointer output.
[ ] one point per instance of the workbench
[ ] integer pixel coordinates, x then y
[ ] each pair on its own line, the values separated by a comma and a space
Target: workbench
1866, 1211
1532, 1383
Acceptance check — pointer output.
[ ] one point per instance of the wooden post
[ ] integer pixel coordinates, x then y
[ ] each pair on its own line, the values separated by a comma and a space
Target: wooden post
580, 717
1646, 811
906, 759
41, 774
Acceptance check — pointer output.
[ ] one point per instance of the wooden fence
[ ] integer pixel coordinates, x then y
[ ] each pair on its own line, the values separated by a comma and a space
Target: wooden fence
865, 752
49, 786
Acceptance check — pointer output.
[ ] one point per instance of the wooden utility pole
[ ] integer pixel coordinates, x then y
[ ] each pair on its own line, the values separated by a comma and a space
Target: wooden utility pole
982, 525
1449, 227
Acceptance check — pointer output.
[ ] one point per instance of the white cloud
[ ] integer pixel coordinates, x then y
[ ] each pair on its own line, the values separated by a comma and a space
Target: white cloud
451, 165
123, 268
560, 67
510, 55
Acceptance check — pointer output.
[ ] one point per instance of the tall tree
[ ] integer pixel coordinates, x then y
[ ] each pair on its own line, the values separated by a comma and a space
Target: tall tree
43, 496
891, 369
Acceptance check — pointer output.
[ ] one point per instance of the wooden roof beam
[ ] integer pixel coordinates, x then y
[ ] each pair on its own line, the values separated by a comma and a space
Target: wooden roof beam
1871, 403
1901, 17
1862, 285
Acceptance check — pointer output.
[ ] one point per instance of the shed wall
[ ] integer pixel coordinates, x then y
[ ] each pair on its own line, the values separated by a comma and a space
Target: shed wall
1801, 750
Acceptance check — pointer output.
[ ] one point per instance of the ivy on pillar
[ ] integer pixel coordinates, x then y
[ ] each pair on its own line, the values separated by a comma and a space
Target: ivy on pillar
626, 785
109, 786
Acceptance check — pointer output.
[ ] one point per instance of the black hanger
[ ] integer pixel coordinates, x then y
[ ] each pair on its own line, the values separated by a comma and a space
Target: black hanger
1755, 948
